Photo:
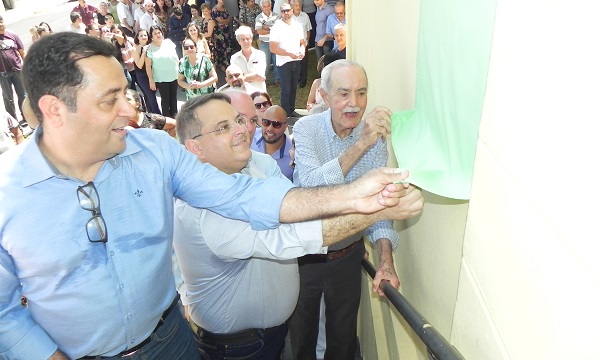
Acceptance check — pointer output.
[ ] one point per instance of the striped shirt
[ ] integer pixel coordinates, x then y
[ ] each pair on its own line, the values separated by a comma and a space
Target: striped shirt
317, 164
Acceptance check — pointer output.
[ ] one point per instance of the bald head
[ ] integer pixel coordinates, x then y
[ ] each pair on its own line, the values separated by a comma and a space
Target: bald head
276, 113
274, 124
244, 104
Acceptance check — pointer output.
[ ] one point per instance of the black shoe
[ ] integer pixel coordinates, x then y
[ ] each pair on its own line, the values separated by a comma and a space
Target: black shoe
302, 86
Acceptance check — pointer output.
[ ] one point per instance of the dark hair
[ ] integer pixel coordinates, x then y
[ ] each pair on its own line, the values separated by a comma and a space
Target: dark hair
50, 67
152, 28
193, 23
43, 23
136, 39
108, 15
135, 96
188, 123
327, 59
194, 6
260, 93
158, 9
74, 16
89, 28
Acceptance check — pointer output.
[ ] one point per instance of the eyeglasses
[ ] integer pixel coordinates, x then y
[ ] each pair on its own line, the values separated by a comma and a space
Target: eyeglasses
90, 201
264, 104
226, 128
276, 124
285, 10
188, 47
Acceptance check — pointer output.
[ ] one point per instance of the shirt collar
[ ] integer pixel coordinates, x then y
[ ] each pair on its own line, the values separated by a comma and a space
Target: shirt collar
32, 158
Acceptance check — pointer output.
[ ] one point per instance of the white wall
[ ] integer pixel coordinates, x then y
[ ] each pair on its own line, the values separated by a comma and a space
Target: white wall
529, 284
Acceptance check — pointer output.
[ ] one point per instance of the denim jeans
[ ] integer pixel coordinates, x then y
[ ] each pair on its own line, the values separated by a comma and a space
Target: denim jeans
269, 347
7, 81
264, 47
174, 340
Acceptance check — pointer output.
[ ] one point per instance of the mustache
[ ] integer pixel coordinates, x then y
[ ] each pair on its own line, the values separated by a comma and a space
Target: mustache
351, 109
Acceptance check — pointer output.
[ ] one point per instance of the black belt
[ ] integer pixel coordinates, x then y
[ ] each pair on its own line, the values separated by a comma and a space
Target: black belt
331, 255
240, 337
127, 352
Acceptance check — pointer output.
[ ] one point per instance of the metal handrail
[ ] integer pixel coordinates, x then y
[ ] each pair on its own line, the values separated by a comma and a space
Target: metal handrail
438, 347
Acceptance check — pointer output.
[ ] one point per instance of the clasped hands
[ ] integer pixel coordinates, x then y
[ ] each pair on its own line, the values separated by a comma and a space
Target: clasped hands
378, 192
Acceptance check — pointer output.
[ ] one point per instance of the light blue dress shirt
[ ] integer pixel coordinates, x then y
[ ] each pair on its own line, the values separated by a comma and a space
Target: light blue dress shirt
94, 298
317, 150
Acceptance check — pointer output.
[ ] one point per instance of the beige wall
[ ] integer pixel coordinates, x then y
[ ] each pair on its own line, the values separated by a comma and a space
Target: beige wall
528, 283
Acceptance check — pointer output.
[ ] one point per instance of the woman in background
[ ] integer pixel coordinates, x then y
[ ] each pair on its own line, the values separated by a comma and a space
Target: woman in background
141, 41
161, 67
222, 37
262, 101
208, 27
192, 31
126, 47
196, 73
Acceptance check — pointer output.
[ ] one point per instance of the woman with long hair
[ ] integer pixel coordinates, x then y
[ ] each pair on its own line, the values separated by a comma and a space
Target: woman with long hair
142, 41
196, 73
161, 10
192, 31
161, 67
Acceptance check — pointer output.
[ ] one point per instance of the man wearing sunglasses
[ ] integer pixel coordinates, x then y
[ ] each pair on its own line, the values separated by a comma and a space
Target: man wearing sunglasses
274, 141
96, 267
336, 147
222, 258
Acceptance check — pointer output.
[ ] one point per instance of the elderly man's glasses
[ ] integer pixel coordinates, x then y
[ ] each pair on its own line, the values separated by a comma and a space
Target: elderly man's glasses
236, 75
264, 104
285, 10
90, 201
276, 124
226, 128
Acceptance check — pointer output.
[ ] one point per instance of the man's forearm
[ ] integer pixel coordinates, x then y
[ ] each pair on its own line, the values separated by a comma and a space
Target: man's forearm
302, 204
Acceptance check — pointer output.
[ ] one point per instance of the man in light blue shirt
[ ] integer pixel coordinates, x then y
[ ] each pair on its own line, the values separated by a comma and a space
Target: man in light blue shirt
87, 212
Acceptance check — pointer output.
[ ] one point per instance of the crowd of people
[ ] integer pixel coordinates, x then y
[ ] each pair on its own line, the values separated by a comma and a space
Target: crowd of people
253, 257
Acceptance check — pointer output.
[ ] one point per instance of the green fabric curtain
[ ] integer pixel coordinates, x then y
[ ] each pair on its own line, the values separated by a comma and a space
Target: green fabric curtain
436, 141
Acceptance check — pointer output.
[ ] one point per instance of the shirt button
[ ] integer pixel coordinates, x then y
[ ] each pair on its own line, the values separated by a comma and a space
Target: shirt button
112, 253
133, 340
129, 316
121, 286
